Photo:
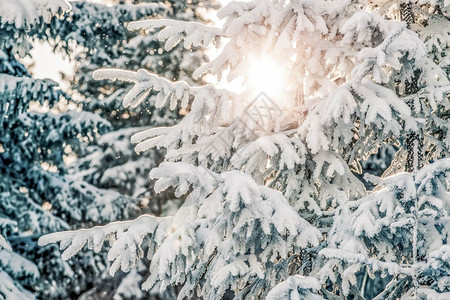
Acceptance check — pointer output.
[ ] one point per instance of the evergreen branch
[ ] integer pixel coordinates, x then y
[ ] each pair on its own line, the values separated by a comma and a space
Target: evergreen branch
125, 239
194, 34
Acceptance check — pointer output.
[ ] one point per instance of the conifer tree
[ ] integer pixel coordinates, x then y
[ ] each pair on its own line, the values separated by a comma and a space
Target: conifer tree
399, 233
266, 178
112, 162
395, 238
37, 195
430, 20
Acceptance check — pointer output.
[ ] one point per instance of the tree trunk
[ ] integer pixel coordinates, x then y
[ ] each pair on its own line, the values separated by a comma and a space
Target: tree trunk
414, 150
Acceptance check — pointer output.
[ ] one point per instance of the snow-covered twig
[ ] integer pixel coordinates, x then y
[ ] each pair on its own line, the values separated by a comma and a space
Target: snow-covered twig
124, 237
194, 34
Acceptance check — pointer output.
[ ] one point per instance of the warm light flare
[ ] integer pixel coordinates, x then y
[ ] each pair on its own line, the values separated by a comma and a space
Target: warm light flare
266, 75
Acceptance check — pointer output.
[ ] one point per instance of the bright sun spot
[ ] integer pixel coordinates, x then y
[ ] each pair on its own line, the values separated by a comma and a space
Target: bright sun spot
265, 75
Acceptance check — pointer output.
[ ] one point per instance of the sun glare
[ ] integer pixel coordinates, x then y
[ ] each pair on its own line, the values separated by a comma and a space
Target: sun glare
265, 75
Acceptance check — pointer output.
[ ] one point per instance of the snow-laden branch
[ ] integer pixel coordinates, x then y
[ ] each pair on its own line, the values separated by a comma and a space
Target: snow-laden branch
25, 13
375, 264
17, 265
366, 232
124, 237
348, 263
145, 82
219, 211
4, 244
209, 108
365, 97
193, 33
279, 145
427, 179
27, 85
437, 172
296, 287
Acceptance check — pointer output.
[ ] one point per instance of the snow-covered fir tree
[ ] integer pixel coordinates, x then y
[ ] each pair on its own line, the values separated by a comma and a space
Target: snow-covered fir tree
395, 243
430, 20
37, 195
400, 233
112, 162
265, 173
